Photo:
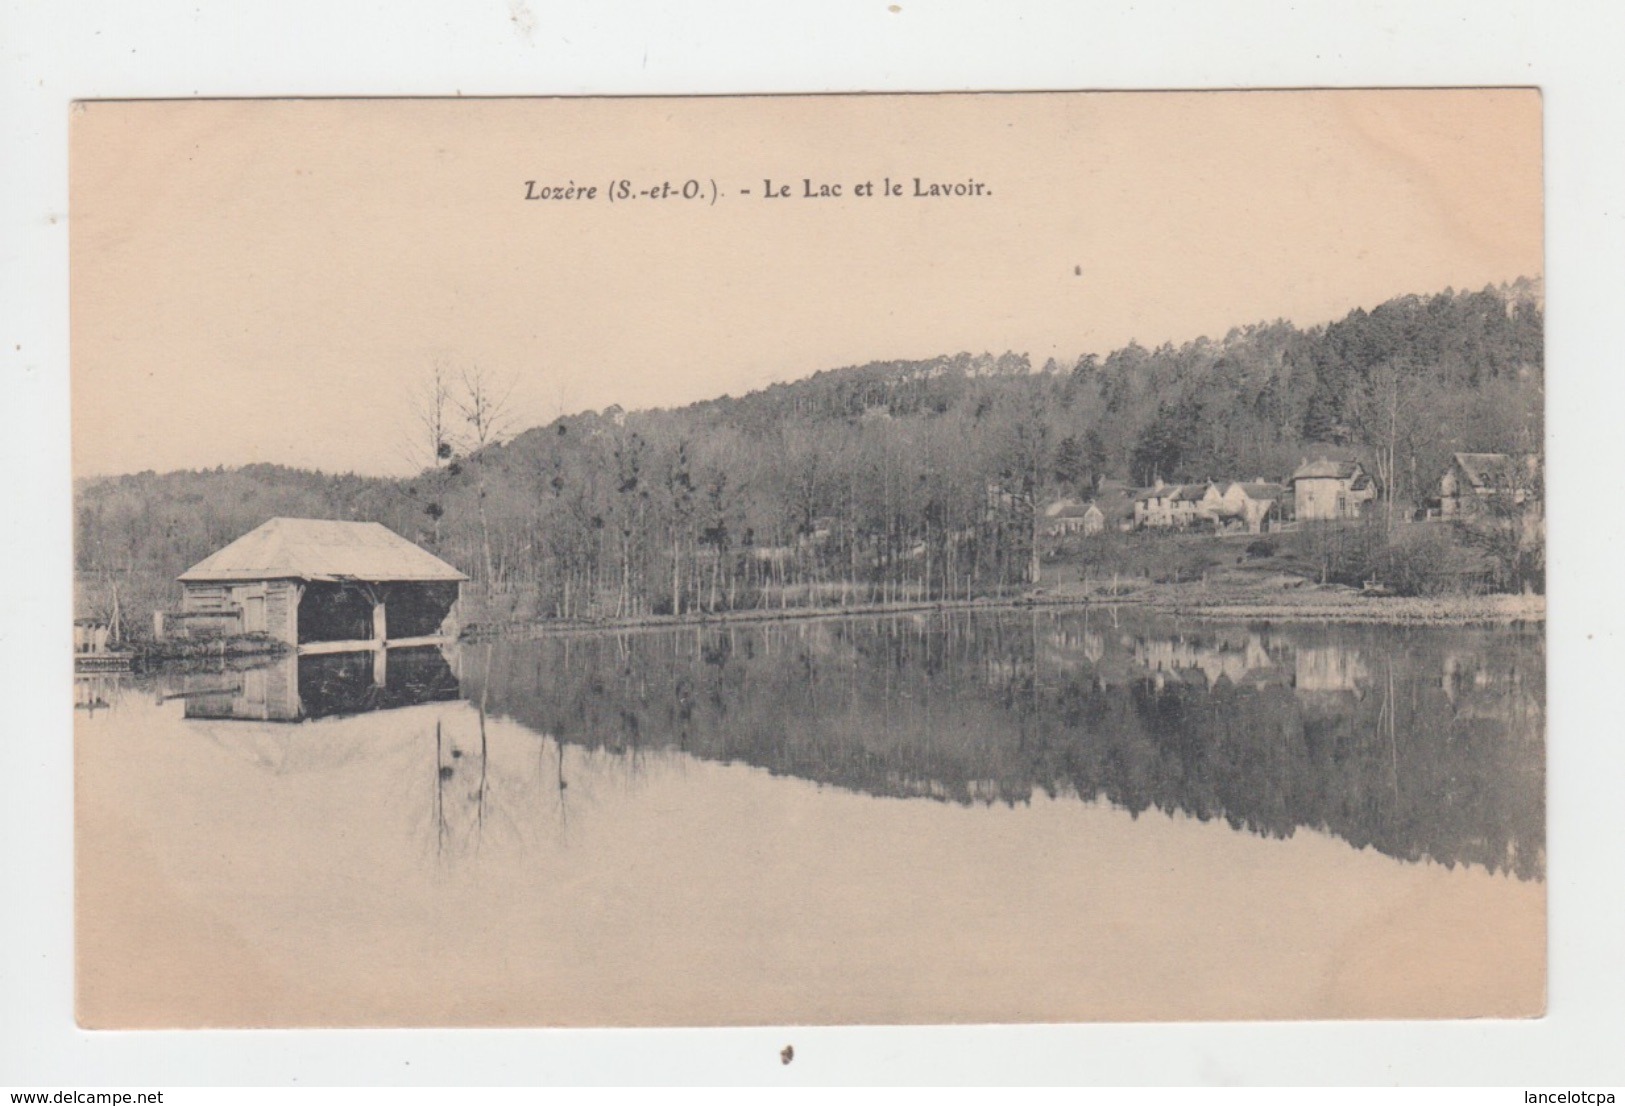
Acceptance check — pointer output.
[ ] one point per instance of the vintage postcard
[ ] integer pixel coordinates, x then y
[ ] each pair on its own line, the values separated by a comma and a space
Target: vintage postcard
809, 559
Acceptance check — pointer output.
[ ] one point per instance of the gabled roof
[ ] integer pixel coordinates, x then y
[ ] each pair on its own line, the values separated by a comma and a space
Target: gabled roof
321, 549
1260, 491
1115, 506
1187, 493
1326, 470
1486, 470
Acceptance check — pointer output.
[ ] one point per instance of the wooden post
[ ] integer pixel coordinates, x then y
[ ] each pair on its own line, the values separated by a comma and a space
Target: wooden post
380, 635
452, 625
296, 595
158, 625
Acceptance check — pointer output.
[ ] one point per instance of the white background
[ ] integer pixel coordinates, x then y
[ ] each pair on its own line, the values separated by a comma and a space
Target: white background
56, 52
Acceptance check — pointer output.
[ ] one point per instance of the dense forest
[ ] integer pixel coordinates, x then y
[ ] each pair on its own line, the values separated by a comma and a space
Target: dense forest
895, 479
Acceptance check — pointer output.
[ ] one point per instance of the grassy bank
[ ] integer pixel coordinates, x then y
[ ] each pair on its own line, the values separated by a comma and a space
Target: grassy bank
1318, 604
1278, 599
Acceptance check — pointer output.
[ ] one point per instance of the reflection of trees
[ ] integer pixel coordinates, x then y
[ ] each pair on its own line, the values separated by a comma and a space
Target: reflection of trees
1383, 748
498, 785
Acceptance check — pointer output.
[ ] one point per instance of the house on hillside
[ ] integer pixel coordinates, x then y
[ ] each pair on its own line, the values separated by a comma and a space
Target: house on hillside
318, 582
1187, 504
1115, 501
1168, 506
1094, 519
1069, 516
1212, 504
1239, 505
1474, 481
1255, 504
1154, 506
1328, 491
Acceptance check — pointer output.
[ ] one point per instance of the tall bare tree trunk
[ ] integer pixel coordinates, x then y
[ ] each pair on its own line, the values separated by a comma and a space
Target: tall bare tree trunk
676, 574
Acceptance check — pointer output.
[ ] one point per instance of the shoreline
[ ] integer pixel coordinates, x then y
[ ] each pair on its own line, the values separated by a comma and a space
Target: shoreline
1311, 603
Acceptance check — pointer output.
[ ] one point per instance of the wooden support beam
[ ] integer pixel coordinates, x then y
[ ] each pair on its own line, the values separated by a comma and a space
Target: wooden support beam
415, 642
370, 645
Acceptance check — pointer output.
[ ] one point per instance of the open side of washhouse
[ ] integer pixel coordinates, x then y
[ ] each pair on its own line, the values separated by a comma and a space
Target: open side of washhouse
321, 585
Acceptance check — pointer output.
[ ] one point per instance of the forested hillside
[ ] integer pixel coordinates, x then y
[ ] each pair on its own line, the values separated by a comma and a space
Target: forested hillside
886, 480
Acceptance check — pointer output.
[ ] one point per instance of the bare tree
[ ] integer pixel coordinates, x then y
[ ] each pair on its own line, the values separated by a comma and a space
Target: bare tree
433, 431
484, 404
1376, 412
429, 443
484, 401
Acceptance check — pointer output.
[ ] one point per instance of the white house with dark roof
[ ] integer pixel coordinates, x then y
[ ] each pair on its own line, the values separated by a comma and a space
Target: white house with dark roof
1070, 516
1326, 491
1169, 505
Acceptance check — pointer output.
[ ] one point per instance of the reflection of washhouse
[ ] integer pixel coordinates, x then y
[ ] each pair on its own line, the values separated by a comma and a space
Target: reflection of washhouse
314, 713
403, 718
321, 685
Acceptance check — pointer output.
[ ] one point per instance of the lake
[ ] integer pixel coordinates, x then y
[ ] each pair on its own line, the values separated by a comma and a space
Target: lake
1052, 815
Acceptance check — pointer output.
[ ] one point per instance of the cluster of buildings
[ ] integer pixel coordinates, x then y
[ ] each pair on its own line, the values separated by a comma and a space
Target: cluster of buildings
1322, 490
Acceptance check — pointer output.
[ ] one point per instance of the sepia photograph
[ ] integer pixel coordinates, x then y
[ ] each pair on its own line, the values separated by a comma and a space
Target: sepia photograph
1039, 557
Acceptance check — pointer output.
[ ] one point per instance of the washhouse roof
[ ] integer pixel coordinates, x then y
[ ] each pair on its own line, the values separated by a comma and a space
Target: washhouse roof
321, 549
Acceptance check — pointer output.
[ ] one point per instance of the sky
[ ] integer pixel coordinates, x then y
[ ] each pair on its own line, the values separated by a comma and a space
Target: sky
272, 280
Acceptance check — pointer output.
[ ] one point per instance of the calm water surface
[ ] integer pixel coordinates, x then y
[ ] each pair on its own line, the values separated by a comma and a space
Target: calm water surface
952, 817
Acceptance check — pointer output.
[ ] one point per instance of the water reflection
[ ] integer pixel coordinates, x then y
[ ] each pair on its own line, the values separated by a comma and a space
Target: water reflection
1420, 743
94, 691
294, 688
733, 825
